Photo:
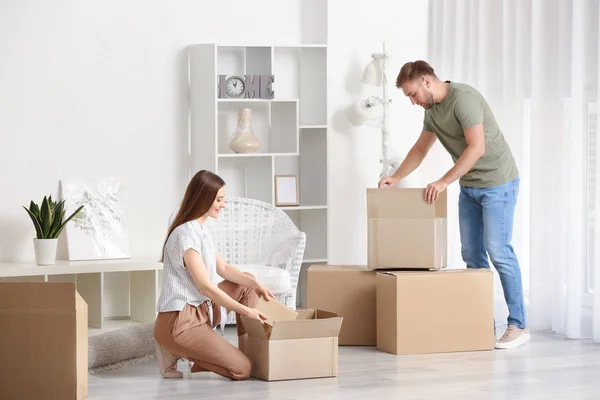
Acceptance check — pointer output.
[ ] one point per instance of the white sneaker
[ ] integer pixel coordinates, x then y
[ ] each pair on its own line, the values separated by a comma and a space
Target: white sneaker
513, 337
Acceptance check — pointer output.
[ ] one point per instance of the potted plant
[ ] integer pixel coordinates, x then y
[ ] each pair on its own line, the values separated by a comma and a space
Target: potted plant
48, 223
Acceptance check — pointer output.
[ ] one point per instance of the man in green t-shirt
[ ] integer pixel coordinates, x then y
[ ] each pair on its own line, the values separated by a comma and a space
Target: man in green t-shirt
459, 116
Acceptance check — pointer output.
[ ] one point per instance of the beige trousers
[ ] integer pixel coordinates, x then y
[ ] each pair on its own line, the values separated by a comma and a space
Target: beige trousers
188, 334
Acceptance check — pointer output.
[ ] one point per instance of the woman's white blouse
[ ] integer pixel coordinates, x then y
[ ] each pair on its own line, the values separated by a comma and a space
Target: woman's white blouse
178, 287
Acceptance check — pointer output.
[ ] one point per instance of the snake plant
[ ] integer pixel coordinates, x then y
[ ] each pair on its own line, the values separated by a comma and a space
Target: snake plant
48, 219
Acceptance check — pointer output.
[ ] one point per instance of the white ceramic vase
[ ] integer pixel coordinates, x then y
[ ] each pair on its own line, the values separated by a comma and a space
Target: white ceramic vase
45, 251
243, 140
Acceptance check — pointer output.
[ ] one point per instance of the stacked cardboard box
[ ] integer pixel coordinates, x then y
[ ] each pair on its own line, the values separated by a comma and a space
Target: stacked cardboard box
349, 291
435, 311
404, 231
422, 307
406, 300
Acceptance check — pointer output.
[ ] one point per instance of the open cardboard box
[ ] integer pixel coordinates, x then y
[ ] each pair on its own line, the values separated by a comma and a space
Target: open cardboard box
292, 344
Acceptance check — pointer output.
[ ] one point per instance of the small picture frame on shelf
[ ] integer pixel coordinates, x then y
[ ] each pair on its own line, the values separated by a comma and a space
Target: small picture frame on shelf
286, 190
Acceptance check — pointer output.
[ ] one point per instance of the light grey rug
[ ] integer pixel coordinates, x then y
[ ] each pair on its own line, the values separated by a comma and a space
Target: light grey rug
120, 348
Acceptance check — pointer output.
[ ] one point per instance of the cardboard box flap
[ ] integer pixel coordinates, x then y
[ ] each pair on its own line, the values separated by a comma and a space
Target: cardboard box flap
321, 314
275, 311
38, 296
404, 203
307, 314
306, 328
315, 314
256, 328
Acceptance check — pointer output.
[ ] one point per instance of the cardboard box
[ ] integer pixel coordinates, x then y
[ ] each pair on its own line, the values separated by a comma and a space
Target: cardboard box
435, 311
407, 243
404, 203
348, 291
293, 344
404, 231
43, 341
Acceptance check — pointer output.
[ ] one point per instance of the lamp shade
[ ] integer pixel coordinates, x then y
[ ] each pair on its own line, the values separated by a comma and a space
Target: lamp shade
373, 73
363, 110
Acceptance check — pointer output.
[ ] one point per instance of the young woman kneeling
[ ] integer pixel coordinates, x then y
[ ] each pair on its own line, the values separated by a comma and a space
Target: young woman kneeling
190, 300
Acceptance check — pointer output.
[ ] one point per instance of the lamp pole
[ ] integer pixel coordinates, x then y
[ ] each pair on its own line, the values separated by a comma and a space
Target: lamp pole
385, 104
384, 128
362, 110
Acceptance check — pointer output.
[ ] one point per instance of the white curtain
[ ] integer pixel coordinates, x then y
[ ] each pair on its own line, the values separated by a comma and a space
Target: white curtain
537, 63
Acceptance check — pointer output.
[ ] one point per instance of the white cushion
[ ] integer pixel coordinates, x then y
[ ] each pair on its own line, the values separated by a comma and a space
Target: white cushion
276, 279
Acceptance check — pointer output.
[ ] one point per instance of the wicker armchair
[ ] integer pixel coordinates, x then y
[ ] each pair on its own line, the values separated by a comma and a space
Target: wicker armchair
257, 237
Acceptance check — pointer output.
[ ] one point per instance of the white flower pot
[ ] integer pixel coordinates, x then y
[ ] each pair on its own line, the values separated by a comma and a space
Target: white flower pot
45, 251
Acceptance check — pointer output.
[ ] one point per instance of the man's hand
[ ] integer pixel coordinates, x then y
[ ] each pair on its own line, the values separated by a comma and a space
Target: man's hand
433, 190
264, 292
390, 181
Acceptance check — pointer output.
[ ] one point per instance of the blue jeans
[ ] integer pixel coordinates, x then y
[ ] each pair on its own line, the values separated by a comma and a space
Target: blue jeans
486, 222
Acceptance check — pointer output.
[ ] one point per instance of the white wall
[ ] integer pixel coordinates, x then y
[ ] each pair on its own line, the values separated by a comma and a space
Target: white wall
99, 88
357, 29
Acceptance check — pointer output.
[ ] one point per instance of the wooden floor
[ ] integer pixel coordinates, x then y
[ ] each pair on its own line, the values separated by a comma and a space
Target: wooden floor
548, 367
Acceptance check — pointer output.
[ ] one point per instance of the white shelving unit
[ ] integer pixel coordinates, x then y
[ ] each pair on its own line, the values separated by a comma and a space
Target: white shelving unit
292, 127
90, 276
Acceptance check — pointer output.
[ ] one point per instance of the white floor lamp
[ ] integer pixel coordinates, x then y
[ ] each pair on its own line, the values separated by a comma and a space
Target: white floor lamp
373, 107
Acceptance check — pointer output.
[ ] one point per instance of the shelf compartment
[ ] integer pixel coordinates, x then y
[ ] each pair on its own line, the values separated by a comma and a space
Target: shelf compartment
302, 72
227, 115
143, 295
310, 166
274, 123
283, 132
313, 166
259, 60
313, 222
248, 177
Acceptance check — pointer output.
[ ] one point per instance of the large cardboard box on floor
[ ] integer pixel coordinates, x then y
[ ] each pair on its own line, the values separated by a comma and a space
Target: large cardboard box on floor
435, 311
404, 231
349, 291
293, 344
43, 341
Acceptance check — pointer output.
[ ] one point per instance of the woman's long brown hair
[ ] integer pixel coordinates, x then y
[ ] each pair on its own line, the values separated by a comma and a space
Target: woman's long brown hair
198, 199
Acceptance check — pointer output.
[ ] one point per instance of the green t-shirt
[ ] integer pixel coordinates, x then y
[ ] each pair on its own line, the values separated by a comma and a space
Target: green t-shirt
462, 108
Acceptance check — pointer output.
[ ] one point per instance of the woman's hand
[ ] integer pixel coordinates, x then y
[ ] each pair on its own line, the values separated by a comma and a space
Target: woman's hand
263, 291
254, 313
